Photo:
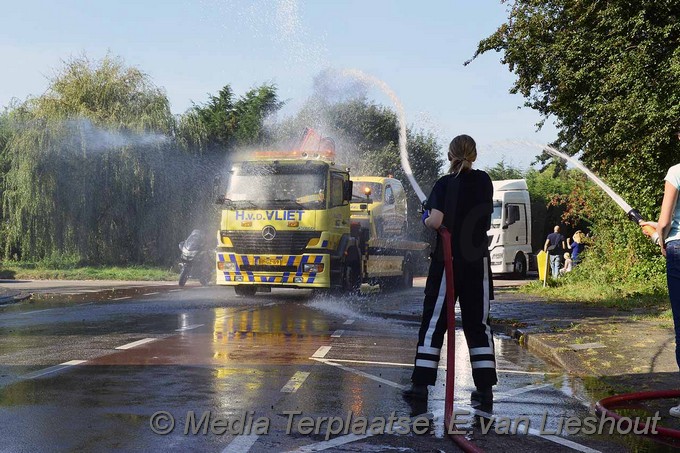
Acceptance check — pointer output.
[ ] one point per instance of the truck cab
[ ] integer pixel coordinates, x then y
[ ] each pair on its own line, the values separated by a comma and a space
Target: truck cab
285, 222
510, 234
380, 202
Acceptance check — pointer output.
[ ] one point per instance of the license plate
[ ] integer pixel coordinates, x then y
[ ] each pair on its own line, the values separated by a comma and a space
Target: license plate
266, 261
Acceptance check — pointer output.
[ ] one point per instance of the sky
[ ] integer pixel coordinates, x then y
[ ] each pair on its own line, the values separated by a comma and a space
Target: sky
195, 47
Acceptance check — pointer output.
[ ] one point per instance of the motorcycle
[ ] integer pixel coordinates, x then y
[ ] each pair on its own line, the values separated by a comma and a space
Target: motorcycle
196, 261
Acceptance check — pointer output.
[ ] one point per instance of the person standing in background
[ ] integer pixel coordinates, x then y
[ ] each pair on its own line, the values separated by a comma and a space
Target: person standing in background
554, 246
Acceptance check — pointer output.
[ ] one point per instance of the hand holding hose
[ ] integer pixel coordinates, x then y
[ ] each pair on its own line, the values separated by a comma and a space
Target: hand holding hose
650, 230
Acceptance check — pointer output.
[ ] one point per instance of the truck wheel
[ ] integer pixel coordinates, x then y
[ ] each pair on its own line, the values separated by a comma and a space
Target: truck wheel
520, 266
351, 278
245, 290
407, 277
184, 274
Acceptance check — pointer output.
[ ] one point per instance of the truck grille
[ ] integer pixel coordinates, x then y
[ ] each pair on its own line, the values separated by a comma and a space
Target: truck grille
285, 242
267, 268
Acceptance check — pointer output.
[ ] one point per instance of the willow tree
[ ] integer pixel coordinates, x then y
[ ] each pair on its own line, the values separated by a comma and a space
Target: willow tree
87, 173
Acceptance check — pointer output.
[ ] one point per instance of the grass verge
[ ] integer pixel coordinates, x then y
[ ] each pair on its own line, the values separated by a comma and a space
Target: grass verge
33, 271
628, 297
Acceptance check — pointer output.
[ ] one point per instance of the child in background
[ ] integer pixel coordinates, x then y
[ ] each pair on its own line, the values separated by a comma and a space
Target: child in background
568, 262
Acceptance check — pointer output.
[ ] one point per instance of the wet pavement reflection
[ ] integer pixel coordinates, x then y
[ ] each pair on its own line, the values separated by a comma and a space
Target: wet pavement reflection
91, 377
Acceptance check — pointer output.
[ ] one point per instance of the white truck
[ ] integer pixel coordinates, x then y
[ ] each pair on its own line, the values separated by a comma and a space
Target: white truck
510, 234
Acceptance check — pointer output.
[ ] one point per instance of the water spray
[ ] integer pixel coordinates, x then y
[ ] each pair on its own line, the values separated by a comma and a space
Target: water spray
633, 214
401, 117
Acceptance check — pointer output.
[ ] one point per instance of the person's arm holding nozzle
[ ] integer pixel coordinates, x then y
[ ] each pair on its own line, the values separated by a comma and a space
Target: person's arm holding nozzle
433, 218
663, 226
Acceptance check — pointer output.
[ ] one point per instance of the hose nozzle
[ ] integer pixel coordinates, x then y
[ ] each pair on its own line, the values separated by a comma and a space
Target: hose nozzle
635, 216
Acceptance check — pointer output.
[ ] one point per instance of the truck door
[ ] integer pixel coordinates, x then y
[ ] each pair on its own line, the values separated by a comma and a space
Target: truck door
386, 225
515, 224
338, 207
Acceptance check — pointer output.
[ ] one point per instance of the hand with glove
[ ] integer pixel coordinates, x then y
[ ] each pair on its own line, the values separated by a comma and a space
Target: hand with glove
426, 214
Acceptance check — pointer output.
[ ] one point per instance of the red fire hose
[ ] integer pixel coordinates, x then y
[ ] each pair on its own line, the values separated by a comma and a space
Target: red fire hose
620, 400
460, 440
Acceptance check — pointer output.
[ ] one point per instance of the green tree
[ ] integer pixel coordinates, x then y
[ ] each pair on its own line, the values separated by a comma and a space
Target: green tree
609, 73
367, 138
224, 123
503, 170
90, 169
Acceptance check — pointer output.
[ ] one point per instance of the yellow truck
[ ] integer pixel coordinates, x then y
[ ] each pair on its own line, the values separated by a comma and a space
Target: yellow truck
291, 220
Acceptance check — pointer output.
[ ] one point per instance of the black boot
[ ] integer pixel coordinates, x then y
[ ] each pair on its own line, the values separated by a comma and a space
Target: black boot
415, 391
482, 398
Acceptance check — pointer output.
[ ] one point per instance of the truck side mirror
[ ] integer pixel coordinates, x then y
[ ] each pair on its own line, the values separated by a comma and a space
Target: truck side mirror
347, 190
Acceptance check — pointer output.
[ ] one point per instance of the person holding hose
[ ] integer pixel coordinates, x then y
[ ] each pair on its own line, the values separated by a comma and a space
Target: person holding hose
461, 201
668, 229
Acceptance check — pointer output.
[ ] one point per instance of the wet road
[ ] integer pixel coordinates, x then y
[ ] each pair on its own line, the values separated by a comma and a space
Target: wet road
264, 373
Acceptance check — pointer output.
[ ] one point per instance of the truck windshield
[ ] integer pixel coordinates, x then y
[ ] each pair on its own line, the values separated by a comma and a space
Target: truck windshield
497, 214
277, 186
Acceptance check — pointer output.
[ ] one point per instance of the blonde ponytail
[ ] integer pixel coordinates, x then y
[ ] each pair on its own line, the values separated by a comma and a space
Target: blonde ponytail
462, 153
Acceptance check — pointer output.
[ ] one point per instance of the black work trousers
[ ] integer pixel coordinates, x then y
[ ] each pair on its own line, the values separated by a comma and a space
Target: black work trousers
473, 289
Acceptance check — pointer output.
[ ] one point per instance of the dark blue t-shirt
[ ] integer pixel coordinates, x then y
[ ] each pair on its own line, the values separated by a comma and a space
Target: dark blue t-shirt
556, 241
471, 221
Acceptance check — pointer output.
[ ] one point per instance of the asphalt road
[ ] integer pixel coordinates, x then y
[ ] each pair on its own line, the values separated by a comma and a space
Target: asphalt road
152, 367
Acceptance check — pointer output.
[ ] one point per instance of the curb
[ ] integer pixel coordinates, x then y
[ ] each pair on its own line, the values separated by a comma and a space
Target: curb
545, 350
7, 300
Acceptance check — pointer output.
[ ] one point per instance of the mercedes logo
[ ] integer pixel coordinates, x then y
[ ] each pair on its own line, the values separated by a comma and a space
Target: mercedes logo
268, 233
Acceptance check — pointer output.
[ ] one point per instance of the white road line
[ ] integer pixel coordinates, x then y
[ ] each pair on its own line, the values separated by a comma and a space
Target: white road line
175, 290
361, 373
121, 298
369, 362
349, 321
346, 439
241, 444
54, 369
552, 438
337, 334
519, 391
151, 294
134, 344
335, 442
193, 326
35, 311
295, 382
538, 373
321, 352
90, 291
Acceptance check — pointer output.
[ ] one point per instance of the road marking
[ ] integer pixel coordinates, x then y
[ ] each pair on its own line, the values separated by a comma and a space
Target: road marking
349, 321
174, 290
337, 334
369, 362
134, 344
295, 382
360, 373
321, 352
35, 311
151, 294
552, 438
335, 442
193, 326
54, 369
121, 298
89, 291
539, 373
241, 444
